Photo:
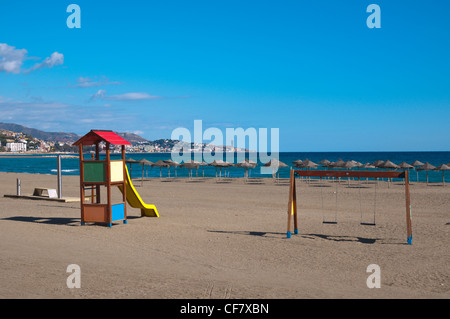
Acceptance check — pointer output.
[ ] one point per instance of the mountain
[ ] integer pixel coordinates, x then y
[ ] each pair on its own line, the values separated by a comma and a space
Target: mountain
46, 136
132, 138
62, 136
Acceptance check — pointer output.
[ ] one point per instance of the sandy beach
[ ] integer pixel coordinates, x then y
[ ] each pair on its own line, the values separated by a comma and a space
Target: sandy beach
227, 240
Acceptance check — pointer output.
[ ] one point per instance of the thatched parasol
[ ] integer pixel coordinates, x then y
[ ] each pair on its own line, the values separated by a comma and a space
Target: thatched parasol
338, 164
275, 163
190, 165
172, 164
324, 162
389, 165
443, 168
416, 164
404, 165
377, 163
246, 165
160, 164
426, 167
144, 162
131, 161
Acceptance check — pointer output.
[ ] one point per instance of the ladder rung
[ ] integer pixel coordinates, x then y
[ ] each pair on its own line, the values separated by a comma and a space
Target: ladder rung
89, 196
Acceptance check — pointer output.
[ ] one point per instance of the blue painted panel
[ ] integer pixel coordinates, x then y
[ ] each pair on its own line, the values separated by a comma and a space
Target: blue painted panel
117, 212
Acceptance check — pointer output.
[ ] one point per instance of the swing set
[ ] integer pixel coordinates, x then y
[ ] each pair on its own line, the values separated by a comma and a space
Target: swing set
292, 206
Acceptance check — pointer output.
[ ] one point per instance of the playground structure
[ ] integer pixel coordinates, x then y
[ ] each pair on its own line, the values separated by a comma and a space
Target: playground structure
292, 205
96, 173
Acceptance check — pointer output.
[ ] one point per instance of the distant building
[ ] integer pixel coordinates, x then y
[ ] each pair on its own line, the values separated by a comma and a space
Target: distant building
16, 147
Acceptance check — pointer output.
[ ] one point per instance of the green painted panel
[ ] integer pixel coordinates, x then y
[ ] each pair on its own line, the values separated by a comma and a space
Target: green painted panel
94, 172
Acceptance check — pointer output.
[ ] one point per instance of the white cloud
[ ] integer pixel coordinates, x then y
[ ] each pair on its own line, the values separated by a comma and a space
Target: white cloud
132, 96
98, 95
55, 59
11, 59
86, 82
123, 97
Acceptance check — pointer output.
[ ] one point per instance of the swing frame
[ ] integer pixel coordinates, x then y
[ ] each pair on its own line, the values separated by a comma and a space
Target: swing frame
292, 205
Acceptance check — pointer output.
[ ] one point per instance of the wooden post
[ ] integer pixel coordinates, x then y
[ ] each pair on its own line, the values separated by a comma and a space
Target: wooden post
292, 206
124, 187
97, 187
408, 209
108, 183
80, 149
92, 187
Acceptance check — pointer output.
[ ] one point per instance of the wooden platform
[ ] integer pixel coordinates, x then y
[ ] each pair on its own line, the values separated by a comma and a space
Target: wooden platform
61, 200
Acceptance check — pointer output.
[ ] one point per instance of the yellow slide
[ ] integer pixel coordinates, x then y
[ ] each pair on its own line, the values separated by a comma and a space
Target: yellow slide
135, 200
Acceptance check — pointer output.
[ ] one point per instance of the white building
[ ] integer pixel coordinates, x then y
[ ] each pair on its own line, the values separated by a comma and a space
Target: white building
16, 147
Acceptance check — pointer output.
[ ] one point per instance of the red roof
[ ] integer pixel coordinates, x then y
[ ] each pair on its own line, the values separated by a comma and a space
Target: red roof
94, 137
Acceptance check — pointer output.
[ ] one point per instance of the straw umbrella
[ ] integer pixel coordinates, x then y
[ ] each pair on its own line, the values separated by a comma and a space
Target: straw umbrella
160, 164
338, 164
367, 166
275, 163
297, 162
252, 163
227, 168
203, 164
443, 168
218, 164
246, 165
417, 164
144, 163
172, 164
308, 165
426, 167
349, 165
377, 163
190, 165
405, 166
389, 165
131, 161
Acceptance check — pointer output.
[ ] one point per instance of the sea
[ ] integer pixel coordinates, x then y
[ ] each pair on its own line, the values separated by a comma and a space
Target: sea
47, 164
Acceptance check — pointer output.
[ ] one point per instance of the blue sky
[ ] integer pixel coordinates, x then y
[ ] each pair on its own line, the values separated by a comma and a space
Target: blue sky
313, 69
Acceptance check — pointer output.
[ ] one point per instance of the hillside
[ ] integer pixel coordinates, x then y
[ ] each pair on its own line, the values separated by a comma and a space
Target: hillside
132, 138
62, 136
46, 136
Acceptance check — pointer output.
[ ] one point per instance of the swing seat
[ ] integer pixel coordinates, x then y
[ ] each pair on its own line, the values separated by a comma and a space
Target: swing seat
327, 222
368, 224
